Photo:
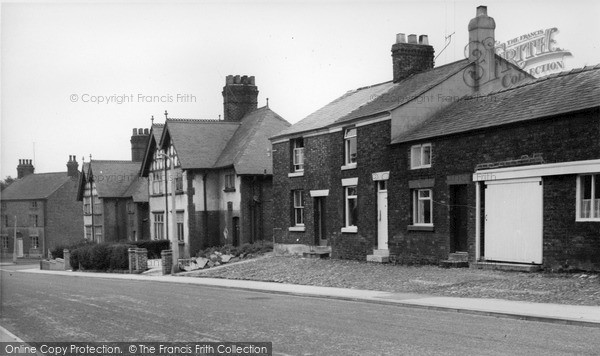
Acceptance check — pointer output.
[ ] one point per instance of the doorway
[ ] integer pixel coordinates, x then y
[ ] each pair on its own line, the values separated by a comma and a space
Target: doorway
320, 232
459, 216
236, 231
382, 215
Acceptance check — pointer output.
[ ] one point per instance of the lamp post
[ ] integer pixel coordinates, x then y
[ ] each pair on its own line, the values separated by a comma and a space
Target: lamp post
174, 239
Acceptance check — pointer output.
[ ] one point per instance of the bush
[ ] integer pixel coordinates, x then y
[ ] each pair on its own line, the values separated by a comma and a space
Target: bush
118, 257
154, 247
58, 251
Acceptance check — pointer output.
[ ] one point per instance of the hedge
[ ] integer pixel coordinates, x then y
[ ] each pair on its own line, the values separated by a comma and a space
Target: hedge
101, 257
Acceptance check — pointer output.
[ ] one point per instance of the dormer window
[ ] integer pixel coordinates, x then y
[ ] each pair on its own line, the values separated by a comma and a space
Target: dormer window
350, 152
420, 156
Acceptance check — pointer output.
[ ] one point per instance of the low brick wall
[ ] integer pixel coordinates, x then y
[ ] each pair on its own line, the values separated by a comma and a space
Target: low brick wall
138, 260
52, 265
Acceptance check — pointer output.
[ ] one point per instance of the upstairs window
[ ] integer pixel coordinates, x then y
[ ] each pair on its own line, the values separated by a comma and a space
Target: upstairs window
179, 183
230, 182
350, 147
87, 205
33, 205
298, 155
298, 207
420, 156
4, 242
422, 207
5, 220
157, 183
588, 197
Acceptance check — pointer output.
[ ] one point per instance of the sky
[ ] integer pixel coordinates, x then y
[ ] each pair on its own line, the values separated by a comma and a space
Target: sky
78, 76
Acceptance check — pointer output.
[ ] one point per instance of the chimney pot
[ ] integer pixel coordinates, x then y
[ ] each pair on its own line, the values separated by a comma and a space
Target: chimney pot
244, 79
400, 38
236, 79
412, 38
252, 81
481, 10
134, 132
146, 132
239, 100
229, 79
424, 40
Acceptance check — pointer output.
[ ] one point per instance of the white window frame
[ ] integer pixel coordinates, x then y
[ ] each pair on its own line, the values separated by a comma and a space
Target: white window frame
158, 224
417, 199
350, 134
298, 155
594, 213
157, 182
421, 155
298, 197
347, 215
88, 232
98, 233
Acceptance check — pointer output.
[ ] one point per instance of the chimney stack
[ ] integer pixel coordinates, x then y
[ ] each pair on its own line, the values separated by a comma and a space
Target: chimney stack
411, 57
240, 97
139, 141
24, 168
481, 45
72, 167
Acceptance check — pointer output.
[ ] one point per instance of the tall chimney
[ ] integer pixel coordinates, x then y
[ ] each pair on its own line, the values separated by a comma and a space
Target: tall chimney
411, 57
139, 141
481, 46
240, 97
72, 167
24, 168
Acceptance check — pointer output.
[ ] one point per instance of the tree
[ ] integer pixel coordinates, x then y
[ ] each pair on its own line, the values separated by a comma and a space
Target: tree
6, 182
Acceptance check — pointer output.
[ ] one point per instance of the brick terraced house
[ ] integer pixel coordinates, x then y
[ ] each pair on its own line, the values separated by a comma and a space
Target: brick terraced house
223, 173
44, 208
332, 170
512, 177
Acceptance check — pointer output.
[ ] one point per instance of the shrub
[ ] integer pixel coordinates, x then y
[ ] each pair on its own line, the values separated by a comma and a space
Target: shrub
119, 257
58, 251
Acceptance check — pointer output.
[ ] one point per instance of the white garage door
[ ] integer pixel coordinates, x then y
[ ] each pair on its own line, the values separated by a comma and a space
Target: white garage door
513, 220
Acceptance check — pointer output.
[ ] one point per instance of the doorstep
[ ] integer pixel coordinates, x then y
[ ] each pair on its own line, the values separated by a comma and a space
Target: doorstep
503, 266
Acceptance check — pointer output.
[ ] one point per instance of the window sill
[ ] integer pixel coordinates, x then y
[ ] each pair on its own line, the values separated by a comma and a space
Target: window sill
587, 220
421, 167
296, 174
350, 229
229, 190
349, 166
420, 228
297, 228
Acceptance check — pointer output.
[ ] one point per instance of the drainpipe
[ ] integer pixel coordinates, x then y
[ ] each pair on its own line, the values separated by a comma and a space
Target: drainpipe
205, 205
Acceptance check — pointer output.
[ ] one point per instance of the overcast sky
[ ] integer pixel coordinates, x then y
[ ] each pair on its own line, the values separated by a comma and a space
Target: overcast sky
57, 58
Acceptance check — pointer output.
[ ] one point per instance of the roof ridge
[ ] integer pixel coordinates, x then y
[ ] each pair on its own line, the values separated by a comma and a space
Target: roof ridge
371, 86
200, 121
537, 80
113, 161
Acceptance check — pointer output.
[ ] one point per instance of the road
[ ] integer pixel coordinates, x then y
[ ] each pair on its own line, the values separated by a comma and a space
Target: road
61, 308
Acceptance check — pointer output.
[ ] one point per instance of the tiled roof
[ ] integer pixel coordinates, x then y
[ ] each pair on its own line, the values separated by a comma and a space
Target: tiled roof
138, 190
337, 109
373, 100
249, 148
556, 94
35, 186
199, 143
407, 90
157, 130
113, 178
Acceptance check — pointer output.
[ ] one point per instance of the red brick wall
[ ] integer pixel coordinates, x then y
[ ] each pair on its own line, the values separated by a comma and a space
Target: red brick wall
64, 216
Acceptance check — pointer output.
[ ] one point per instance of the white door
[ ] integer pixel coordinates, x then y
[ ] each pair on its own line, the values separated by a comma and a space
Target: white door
382, 215
19, 247
513, 220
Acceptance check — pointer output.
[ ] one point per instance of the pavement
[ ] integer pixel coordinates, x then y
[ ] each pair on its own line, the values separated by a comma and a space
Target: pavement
543, 312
